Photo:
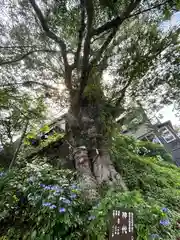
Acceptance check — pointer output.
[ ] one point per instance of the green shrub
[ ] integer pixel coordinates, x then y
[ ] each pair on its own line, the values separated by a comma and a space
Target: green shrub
150, 216
40, 202
151, 149
157, 180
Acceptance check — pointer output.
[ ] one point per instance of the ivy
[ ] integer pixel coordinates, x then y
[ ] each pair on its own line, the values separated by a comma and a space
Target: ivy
45, 129
93, 92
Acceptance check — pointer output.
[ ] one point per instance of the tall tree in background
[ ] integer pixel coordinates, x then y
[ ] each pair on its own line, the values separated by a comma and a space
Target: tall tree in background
17, 109
75, 43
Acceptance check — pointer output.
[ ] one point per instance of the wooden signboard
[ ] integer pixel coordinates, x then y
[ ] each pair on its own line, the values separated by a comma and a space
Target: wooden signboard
122, 225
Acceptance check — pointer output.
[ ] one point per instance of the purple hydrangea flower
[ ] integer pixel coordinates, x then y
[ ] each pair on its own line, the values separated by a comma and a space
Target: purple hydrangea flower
164, 209
62, 210
164, 222
73, 196
52, 206
33, 142
154, 236
46, 204
91, 218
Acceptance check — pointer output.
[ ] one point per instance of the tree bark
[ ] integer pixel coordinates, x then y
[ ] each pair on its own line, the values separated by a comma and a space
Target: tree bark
19, 146
105, 172
90, 153
83, 165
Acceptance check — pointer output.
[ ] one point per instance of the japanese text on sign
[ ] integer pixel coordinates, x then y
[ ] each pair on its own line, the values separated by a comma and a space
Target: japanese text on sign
122, 225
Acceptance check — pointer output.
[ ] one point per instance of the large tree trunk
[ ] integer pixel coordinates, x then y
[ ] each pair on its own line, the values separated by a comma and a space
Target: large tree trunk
104, 171
83, 166
90, 152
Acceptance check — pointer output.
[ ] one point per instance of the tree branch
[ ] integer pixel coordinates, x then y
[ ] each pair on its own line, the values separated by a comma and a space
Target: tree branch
87, 45
81, 32
46, 86
28, 83
103, 48
21, 57
84, 78
149, 59
147, 10
123, 92
98, 37
58, 40
18, 46
117, 21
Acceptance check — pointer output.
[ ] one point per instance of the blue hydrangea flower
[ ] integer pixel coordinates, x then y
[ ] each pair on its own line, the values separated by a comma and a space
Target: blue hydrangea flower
91, 218
47, 187
164, 222
59, 190
73, 186
154, 236
73, 196
56, 193
42, 185
33, 142
2, 174
54, 188
46, 204
52, 206
62, 198
164, 209
62, 210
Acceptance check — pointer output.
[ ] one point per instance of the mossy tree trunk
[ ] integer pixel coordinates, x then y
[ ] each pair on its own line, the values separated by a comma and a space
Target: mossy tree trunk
88, 137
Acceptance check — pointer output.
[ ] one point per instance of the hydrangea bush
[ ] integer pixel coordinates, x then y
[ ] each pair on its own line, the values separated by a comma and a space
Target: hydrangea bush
153, 221
38, 201
156, 180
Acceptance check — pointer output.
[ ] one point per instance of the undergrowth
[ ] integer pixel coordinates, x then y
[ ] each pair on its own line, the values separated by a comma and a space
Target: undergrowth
41, 202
